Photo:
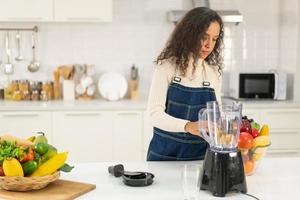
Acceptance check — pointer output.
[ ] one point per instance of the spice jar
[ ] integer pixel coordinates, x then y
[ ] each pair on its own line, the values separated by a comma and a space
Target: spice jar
47, 86
17, 96
35, 95
24, 89
10, 89
44, 96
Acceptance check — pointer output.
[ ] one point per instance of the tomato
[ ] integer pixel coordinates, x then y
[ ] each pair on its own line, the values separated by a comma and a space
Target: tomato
29, 167
245, 141
1, 171
41, 148
29, 155
248, 166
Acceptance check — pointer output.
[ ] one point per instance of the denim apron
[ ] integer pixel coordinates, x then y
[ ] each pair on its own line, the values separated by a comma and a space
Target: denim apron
184, 103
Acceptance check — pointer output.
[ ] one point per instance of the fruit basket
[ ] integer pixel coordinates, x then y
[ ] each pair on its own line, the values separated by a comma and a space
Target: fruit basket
253, 143
18, 183
29, 164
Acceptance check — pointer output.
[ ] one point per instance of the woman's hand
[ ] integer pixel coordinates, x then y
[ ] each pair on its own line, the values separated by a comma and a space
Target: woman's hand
193, 127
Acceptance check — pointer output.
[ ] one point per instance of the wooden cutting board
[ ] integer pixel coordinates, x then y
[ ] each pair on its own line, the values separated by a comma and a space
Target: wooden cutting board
58, 190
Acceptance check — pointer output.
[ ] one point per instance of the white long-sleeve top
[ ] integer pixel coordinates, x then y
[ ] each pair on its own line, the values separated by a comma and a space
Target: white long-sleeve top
163, 76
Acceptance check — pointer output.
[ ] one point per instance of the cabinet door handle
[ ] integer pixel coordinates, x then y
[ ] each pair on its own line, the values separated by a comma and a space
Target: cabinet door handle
25, 19
21, 115
128, 114
282, 113
283, 153
291, 131
84, 19
82, 114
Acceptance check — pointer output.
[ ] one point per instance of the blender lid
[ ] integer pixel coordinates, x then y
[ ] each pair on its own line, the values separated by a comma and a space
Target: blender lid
137, 179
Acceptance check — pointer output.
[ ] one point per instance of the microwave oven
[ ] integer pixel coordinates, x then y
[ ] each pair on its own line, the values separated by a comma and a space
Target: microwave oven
271, 85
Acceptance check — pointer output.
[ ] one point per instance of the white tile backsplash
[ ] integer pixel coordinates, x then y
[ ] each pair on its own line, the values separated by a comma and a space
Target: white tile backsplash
264, 40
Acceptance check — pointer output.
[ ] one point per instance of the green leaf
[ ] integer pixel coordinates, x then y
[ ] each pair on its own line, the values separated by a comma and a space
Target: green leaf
66, 168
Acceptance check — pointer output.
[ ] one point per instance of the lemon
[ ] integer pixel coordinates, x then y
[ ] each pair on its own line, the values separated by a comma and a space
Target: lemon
264, 131
12, 167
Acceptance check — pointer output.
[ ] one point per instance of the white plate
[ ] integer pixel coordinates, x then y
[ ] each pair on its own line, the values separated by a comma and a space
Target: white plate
112, 86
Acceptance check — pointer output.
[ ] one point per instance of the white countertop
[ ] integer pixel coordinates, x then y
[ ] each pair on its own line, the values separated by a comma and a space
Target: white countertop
124, 104
276, 178
265, 103
94, 105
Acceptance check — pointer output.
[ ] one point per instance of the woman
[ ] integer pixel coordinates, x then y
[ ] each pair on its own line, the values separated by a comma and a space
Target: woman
187, 76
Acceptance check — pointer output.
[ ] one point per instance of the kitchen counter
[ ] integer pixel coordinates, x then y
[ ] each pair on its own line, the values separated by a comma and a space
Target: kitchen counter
124, 104
98, 104
276, 178
265, 103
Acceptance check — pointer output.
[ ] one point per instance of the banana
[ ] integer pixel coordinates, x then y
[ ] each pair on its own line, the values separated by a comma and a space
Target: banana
51, 165
12, 167
31, 139
261, 141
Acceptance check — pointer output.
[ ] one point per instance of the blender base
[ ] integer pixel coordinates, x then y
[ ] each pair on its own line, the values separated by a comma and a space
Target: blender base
223, 172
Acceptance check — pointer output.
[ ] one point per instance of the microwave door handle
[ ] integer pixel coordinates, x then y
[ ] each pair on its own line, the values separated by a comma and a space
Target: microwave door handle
276, 86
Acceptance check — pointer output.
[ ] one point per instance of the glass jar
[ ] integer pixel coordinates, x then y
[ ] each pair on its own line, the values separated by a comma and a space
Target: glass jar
24, 89
47, 86
17, 96
44, 96
10, 89
35, 95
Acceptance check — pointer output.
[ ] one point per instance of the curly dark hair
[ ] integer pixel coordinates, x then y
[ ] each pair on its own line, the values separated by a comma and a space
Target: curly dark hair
185, 41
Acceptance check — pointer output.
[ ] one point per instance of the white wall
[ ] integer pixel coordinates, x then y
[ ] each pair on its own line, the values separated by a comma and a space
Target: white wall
140, 29
136, 35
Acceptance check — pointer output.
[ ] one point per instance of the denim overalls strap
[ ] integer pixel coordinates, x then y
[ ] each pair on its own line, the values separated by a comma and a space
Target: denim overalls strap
182, 102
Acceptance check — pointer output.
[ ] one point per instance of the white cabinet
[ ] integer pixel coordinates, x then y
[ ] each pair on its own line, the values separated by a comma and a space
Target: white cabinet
127, 136
86, 135
148, 133
285, 130
83, 10
284, 126
56, 10
99, 135
25, 124
29, 10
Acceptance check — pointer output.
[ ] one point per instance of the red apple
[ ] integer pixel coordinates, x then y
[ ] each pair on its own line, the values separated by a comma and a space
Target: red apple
245, 141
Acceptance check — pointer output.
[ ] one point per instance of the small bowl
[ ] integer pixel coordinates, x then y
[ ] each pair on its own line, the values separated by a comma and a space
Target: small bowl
252, 159
18, 183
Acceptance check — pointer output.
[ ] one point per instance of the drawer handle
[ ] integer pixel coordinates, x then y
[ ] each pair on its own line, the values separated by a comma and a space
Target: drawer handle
26, 18
283, 153
128, 114
21, 115
285, 132
284, 113
84, 19
82, 114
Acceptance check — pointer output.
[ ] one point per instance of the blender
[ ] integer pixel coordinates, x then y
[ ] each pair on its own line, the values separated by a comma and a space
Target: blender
223, 168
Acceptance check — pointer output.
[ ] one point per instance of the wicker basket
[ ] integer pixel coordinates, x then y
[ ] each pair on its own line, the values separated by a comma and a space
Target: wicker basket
17, 183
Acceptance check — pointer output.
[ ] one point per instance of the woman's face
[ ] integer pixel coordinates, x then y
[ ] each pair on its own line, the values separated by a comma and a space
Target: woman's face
209, 40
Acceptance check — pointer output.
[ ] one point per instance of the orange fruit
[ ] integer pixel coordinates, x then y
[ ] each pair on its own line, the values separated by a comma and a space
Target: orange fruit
248, 166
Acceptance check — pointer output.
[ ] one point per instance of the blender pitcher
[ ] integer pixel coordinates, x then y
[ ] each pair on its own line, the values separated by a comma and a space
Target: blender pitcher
223, 125
223, 168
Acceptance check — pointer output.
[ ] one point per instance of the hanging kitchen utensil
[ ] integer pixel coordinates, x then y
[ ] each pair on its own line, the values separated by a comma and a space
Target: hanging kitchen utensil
8, 67
18, 39
34, 65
